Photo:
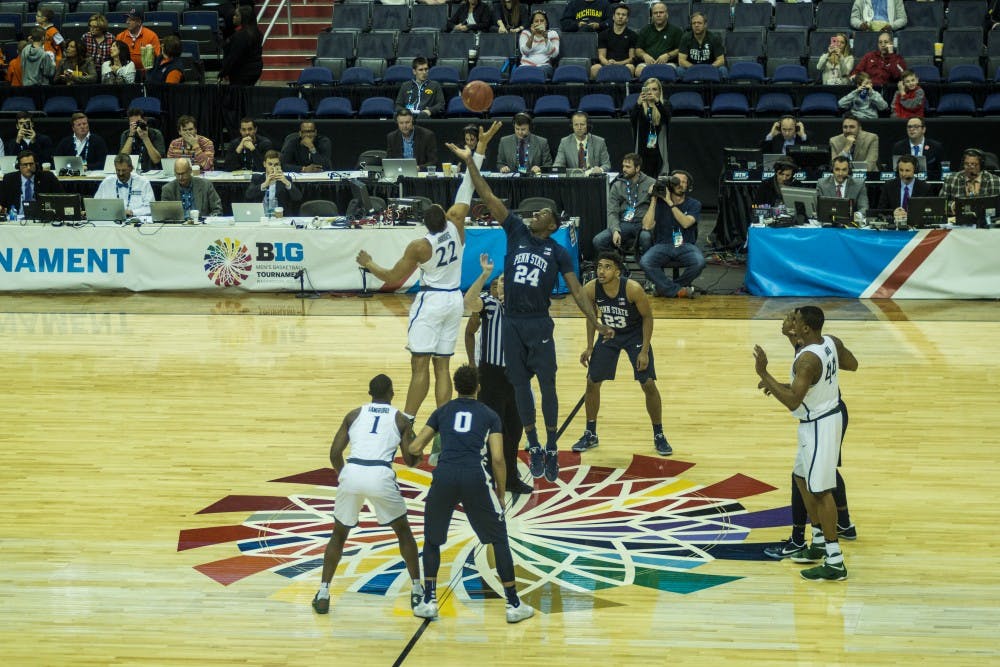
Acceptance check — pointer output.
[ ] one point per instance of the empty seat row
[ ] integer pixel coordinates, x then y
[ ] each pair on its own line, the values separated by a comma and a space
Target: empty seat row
97, 105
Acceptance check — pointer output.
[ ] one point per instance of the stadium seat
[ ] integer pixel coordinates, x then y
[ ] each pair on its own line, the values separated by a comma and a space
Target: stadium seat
819, 104
290, 107
956, 104
334, 107
507, 105
774, 104
377, 107
552, 105
614, 74
570, 74
730, 104
746, 72
527, 76
598, 104
687, 103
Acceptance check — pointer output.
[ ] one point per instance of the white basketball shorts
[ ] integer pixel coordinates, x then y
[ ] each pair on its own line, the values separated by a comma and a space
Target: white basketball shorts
819, 451
377, 484
435, 318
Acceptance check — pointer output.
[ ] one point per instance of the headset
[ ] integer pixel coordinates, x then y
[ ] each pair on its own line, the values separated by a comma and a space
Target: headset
523, 118
976, 153
690, 178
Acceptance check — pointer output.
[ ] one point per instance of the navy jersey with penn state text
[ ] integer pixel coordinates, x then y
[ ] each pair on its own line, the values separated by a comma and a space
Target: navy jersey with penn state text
531, 268
464, 425
617, 311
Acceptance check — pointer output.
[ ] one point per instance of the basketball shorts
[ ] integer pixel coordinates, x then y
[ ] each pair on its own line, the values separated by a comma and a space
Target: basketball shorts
472, 489
529, 348
604, 360
375, 483
435, 318
819, 451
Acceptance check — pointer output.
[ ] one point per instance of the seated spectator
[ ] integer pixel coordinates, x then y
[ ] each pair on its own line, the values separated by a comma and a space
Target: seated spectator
786, 132
672, 220
14, 73
896, 193
193, 192
972, 181
470, 16
918, 144
118, 68
142, 140
97, 41
307, 152
246, 153
616, 45
131, 188
23, 185
53, 40
650, 119
539, 46
523, 152
769, 192
513, 18
76, 67
835, 65
628, 201
28, 139
855, 144
701, 46
192, 145
83, 143
842, 185
168, 67
658, 41
583, 150
585, 16
909, 100
37, 68
875, 15
242, 54
409, 140
864, 102
274, 188
137, 37
883, 65
421, 95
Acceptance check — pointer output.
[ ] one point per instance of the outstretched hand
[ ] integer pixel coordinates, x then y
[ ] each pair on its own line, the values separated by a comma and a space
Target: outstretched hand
486, 263
363, 259
760, 360
487, 135
461, 152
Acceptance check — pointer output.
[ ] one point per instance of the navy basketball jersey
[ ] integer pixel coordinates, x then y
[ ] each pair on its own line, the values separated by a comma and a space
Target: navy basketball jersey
617, 311
464, 425
531, 268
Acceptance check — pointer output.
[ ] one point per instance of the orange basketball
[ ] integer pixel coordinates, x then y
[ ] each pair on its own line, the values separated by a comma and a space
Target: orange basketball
477, 96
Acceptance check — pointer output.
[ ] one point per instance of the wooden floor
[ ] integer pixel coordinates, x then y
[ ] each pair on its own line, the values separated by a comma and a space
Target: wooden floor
125, 417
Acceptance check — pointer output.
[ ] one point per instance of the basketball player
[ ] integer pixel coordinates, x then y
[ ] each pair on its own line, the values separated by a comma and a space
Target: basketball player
374, 431
624, 307
813, 396
796, 544
436, 313
467, 428
533, 263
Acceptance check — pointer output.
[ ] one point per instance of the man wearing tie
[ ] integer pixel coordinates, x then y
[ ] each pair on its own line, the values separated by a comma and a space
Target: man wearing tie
583, 150
840, 184
523, 152
24, 185
972, 181
134, 190
918, 145
83, 143
855, 144
896, 193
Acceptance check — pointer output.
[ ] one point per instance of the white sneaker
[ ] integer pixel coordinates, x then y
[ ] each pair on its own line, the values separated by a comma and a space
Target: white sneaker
426, 610
519, 613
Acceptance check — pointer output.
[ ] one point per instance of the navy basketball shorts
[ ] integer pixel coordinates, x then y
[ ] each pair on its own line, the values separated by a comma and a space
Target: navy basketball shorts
604, 359
470, 488
529, 348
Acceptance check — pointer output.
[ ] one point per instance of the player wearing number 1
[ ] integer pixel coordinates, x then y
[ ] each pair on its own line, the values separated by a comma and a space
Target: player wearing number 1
533, 263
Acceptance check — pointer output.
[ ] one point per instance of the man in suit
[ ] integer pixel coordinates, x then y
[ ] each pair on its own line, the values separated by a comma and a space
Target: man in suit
247, 152
25, 184
523, 151
917, 144
786, 133
840, 184
896, 193
410, 141
307, 152
273, 187
192, 191
28, 139
855, 144
421, 95
82, 142
582, 149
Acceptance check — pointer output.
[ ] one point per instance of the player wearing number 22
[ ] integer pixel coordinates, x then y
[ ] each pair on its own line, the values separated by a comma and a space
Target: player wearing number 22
533, 263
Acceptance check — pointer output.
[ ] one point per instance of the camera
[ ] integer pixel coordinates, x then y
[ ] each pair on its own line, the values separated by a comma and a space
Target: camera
69, 171
663, 184
141, 125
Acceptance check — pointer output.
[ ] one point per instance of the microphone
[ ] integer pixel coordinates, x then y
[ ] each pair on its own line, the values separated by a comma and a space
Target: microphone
298, 274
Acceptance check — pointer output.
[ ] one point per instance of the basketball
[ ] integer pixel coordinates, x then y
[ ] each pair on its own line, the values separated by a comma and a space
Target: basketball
477, 96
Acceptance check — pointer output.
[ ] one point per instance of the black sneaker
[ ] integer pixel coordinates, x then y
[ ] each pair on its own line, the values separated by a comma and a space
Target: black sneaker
321, 605
551, 465
783, 549
536, 461
587, 441
518, 486
663, 447
848, 533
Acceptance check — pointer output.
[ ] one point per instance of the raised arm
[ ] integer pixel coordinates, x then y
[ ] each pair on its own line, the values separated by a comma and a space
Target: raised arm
493, 203
473, 303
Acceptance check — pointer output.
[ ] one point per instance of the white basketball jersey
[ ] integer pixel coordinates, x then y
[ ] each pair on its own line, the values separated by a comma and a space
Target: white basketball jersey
374, 435
825, 394
444, 269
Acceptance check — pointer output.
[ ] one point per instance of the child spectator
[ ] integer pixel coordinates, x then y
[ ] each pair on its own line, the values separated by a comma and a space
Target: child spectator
909, 100
864, 101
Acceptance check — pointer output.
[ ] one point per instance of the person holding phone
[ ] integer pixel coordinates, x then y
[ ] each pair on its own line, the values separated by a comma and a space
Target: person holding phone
835, 65
864, 101
28, 139
273, 187
883, 65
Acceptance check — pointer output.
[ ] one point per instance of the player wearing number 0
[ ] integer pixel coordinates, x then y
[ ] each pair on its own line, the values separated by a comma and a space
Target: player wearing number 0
533, 263
813, 396
436, 313
374, 431
468, 428
624, 307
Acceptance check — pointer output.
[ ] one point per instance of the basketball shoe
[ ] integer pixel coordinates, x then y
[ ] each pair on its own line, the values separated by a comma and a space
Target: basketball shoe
783, 549
520, 612
536, 463
587, 441
825, 572
813, 553
321, 605
663, 447
848, 533
551, 464
416, 596
426, 609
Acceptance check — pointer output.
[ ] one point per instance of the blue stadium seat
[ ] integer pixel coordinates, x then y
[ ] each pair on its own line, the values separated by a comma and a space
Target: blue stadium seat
486, 73
377, 107
457, 108
687, 103
290, 107
966, 74
629, 103
552, 105
819, 104
730, 104
527, 75
355, 76
665, 73
570, 74
956, 104
444, 74
60, 105
315, 76
701, 74
774, 104
790, 74
507, 105
614, 74
397, 74
105, 105
598, 104
151, 106
334, 107
746, 72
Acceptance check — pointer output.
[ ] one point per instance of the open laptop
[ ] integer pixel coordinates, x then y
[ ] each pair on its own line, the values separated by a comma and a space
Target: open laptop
834, 210
978, 211
248, 213
66, 165
109, 163
167, 166
104, 210
770, 158
393, 168
8, 163
167, 212
924, 212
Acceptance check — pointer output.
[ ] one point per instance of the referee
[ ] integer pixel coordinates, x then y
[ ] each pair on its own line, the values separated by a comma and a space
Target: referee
495, 390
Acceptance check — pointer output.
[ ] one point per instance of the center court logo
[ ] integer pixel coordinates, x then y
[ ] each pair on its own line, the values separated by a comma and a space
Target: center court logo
596, 528
228, 262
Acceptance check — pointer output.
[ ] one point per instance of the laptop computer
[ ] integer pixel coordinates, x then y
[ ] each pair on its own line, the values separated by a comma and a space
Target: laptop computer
66, 165
104, 210
978, 211
393, 168
921, 163
167, 165
109, 163
924, 212
8, 163
770, 158
247, 213
59, 207
167, 212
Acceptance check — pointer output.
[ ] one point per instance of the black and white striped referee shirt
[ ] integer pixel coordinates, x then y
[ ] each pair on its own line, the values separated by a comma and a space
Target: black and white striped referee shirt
490, 336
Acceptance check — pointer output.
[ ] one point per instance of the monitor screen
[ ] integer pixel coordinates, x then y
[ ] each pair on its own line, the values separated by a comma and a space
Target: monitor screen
836, 210
743, 158
799, 200
925, 212
359, 191
810, 159
57, 207
978, 211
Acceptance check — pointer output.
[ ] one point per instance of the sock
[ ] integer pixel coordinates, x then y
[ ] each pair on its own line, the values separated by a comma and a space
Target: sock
834, 556
533, 438
324, 590
430, 590
466, 189
511, 593
657, 429
418, 587
818, 539
551, 440
799, 534
591, 426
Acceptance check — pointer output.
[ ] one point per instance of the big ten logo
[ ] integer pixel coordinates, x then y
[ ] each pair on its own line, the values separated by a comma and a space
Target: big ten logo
279, 252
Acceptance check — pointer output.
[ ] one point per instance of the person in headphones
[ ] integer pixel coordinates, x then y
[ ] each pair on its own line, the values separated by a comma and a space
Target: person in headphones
841, 185
769, 192
658, 40
786, 132
672, 218
972, 181
24, 184
523, 152
583, 150
896, 193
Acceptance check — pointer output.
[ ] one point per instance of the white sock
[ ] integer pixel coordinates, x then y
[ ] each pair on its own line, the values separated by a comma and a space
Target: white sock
818, 539
466, 189
834, 556
418, 587
324, 590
